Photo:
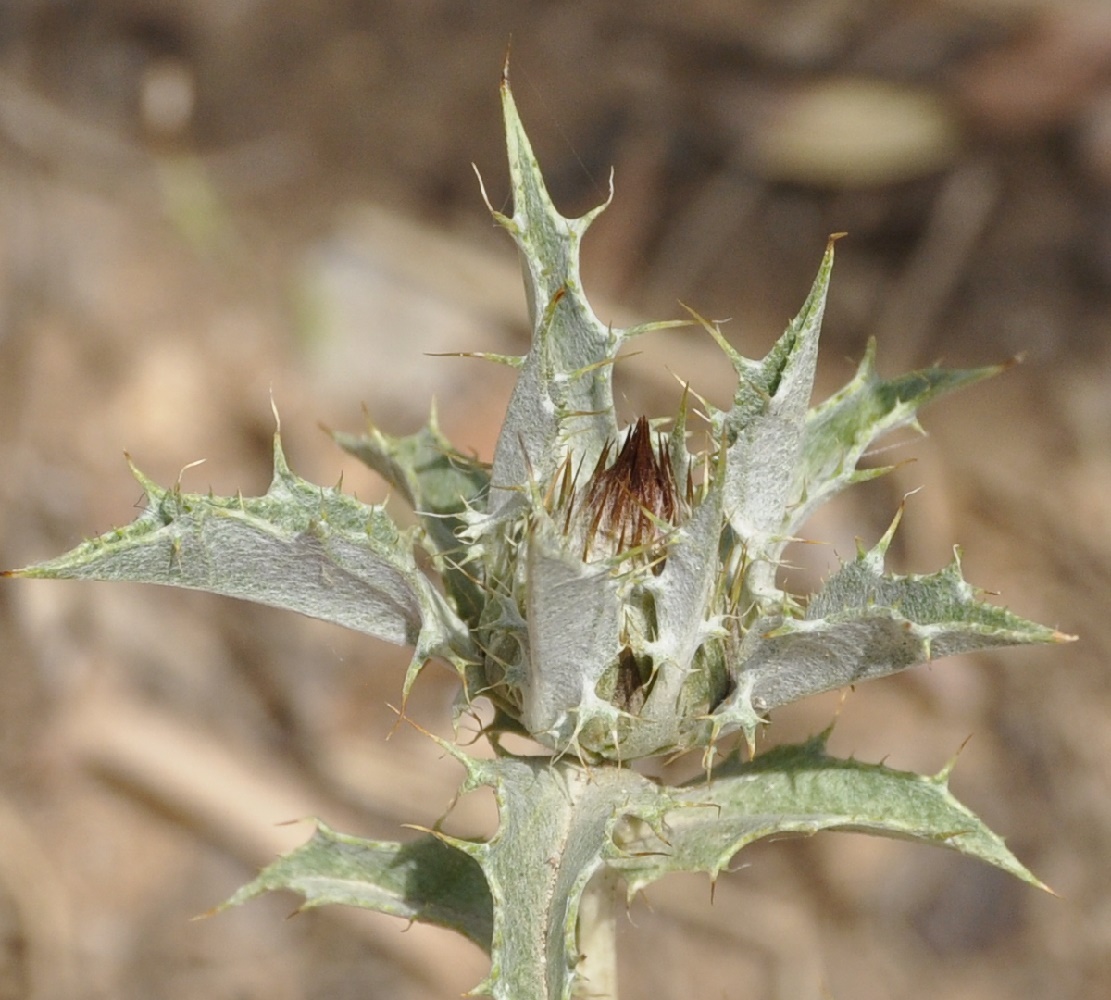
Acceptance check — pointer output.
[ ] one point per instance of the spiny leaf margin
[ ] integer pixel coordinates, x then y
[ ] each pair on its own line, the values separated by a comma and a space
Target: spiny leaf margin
301, 547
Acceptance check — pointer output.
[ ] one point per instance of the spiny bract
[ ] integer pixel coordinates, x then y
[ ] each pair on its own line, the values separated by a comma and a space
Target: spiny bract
621, 590
614, 595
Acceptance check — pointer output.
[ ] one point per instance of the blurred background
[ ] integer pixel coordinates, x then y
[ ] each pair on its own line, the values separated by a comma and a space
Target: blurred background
208, 203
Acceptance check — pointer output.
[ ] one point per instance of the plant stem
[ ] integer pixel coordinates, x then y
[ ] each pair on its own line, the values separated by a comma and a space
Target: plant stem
598, 937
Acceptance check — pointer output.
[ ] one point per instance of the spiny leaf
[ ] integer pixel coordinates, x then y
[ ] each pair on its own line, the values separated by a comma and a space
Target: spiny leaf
840, 429
796, 789
516, 896
425, 880
440, 484
763, 434
300, 547
865, 623
436, 480
563, 399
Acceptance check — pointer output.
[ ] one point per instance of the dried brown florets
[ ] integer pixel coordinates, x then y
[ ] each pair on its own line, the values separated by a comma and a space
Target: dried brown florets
633, 502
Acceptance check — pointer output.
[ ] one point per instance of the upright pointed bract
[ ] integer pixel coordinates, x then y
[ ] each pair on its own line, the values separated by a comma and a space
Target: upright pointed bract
616, 596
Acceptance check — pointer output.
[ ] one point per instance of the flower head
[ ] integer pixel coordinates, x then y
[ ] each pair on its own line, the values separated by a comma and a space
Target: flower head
610, 603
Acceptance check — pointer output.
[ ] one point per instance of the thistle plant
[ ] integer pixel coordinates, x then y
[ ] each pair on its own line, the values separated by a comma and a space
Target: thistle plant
615, 594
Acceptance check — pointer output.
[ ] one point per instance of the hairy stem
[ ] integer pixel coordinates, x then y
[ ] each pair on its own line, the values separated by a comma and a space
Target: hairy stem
598, 937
